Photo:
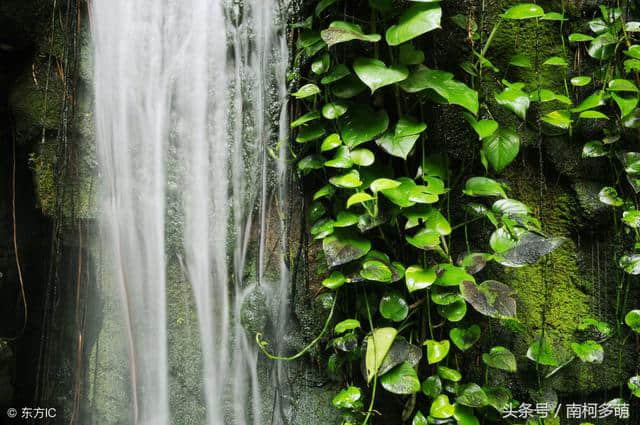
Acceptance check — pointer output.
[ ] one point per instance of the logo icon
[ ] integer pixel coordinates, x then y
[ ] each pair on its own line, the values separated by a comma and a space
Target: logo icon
12, 413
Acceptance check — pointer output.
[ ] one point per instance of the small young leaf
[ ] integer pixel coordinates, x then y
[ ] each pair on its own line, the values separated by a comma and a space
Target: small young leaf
305, 91
437, 351
393, 307
500, 358
465, 338
418, 278
346, 325
441, 408
632, 319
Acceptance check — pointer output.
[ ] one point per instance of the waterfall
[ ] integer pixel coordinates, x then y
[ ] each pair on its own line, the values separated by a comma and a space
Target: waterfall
192, 169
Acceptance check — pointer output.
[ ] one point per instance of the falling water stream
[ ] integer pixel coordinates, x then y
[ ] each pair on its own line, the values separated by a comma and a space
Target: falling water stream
190, 108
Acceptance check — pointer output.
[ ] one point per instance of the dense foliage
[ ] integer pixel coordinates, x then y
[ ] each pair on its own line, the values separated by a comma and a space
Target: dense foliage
408, 302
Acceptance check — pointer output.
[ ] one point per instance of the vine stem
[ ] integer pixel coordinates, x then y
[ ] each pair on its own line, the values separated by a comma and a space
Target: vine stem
375, 375
261, 342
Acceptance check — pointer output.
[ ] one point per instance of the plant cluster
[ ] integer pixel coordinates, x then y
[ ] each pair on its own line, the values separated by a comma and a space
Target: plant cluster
382, 208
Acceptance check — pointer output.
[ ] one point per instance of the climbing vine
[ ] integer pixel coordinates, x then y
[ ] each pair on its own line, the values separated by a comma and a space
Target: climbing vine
407, 265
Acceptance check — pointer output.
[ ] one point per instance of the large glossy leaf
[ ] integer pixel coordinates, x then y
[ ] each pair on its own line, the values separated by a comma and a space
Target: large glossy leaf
594, 100
378, 345
340, 32
626, 104
415, 21
632, 319
500, 358
376, 271
348, 398
443, 84
311, 131
523, 11
483, 186
529, 249
398, 146
588, 351
437, 351
344, 246
361, 124
472, 395
375, 74
341, 159
418, 278
541, 352
393, 307
602, 47
402, 379
441, 408
501, 148
491, 298
465, 338
401, 194
515, 100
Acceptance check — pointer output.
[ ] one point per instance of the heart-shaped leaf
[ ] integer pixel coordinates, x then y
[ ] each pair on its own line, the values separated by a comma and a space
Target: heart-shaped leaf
441, 408
464, 415
609, 196
415, 21
375, 74
347, 87
500, 358
499, 397
341, 32
443, 84
465, 338
334, 281
437, 351
432, 386
419, 419
453, 312
483, 186
501, 148
632, 319
376, 271
349, 180
398, 146
472, 395
344, 246
418, 278
348, 398
426, 239
588, 351
334, 110
341, 159
361, 124
541, 352
394, 307
378, 345
450, 275
490, 298
362, 157
560, 119
484, 128
402, 379
625, 104
515, 100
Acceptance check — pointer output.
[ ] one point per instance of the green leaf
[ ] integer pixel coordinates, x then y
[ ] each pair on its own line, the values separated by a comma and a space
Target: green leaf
346, 325
450, 275
443, 84
376, 271
483, 186
603, 46
593, 149
620, 84
341, 159
523, 11
515, 100
375, 74
400, 195
448, 374
441, 408
502, 239
418, 278
634, 385
560, 119
553, 16
334, 281
310, 132
321, 65
349, 180
484, 128
529, 248
588, 351
361, 124
542, 353
419, 419
437, 351
334, 110
432, 386
323, 4
348, 87
410, 55
592, 101
500, 358
510, 208
330, 142
310, 116
408, 126
415, 21
625, 104
378, 345
521, 61
490, 298
596, 115
393, 307
465, 338
383, 184
453, 312
501, 148
362, 157
631, 218
324, 191
425, 239
402, 379
609, 196
632, 319
337, 73
464, 415
341, 32
630, 264
555, 61
348, 398
499, 397
472, 395
345, 219
577, 37
633, 51
305, 91
398, 146
581, 80
344, 246
358, 198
